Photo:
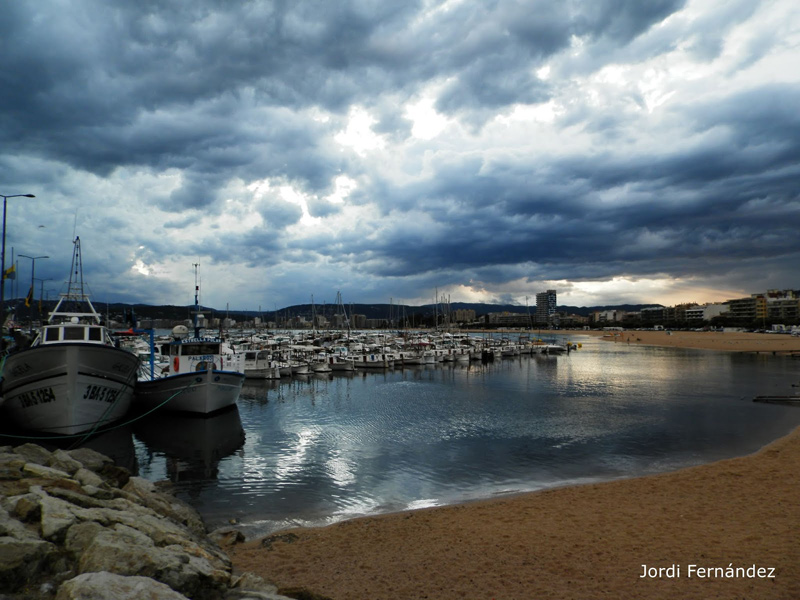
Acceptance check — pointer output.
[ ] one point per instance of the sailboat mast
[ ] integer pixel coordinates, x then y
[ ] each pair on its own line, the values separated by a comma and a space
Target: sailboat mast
196, 302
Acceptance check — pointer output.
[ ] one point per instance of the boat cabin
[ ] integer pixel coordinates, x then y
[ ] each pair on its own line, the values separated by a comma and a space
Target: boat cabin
67, 333
195, 354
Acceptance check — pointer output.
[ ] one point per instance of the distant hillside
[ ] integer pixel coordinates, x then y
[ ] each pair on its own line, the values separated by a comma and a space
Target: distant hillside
371, 311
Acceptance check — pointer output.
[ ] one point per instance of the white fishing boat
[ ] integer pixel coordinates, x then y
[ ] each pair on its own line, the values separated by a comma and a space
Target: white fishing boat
338, 363
259, 364
72, 379
372, 361
201, 378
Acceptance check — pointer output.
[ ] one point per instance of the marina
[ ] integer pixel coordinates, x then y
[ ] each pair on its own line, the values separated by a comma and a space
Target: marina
322, 448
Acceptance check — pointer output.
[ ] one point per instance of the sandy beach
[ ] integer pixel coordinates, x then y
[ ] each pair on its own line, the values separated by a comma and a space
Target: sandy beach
723, 530
706, 340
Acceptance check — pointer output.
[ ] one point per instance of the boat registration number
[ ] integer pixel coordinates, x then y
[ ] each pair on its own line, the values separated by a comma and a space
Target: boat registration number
34, 397
100, 392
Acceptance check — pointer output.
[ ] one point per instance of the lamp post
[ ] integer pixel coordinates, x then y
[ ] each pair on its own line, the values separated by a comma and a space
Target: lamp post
3, 258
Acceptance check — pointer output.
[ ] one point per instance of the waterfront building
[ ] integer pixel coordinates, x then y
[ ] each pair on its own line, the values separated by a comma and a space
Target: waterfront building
609, 316
546, 306
753, 308
705, 312
783, 309
653, 314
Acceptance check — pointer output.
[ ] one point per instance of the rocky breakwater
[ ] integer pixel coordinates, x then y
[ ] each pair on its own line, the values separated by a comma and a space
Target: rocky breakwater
73, 525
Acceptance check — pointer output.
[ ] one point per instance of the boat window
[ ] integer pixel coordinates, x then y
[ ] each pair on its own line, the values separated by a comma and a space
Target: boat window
95, 334
51, 334
199, 349
250, 355
74, 333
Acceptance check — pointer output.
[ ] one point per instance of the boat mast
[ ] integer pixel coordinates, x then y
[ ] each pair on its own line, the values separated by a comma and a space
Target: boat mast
75, 295
196, 302
340, 306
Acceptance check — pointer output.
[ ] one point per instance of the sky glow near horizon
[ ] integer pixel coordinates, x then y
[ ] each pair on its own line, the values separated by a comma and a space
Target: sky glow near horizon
618, 152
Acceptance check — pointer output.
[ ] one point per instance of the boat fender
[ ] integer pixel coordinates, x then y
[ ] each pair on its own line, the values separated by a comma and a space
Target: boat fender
175, 364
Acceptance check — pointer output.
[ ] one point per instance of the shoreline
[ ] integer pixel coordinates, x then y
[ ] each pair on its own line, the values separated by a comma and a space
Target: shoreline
731, 341
643, 537
734, 341
582, 541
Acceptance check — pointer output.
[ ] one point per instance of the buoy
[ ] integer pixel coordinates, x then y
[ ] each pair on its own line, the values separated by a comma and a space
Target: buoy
175, 364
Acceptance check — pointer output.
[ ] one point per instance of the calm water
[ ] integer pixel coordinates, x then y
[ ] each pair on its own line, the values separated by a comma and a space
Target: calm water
315, 451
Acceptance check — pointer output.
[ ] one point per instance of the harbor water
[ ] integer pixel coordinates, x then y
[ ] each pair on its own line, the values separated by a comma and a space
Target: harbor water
318, 449
322, 448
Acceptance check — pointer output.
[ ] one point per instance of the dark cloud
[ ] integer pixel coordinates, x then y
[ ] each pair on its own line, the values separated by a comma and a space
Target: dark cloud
176, 113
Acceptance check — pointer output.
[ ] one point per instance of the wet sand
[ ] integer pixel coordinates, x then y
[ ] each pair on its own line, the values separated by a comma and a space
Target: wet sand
586, 542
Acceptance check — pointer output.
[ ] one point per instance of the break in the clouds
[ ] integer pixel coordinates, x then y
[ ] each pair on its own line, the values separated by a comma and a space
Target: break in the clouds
615, 151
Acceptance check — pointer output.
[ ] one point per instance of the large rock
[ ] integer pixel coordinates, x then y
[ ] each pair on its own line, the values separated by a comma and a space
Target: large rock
146, 492
72, 513
57, 515
11, 466
110, 586
34, 453
90, 459
60, 459
23, 560
127, 551
14, 528
88, 478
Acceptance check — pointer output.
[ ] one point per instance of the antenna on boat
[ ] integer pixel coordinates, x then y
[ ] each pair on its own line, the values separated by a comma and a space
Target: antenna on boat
75, 296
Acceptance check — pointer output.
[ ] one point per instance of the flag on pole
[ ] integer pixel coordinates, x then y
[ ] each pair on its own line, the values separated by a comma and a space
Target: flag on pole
10, 272
29, 297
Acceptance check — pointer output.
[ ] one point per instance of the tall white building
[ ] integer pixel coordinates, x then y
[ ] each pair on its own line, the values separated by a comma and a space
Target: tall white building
545, 306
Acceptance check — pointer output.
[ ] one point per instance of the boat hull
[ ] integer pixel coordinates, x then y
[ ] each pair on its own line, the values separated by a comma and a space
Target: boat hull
199, 392
68, 389
263, 373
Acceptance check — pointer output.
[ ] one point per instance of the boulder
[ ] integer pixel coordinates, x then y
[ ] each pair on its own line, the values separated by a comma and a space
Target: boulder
127, 551
72, 513
88, 478
90, 459
33, 453
111, 586
23, 560
11, 466
60, 459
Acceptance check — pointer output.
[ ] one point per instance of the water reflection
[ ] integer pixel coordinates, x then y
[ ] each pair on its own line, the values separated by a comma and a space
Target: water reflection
319, 449
192, 445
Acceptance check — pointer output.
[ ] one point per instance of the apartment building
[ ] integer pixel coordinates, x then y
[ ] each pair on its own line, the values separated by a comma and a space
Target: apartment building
546, 306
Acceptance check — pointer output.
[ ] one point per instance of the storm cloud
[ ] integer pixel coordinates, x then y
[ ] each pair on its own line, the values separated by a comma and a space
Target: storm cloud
615, 151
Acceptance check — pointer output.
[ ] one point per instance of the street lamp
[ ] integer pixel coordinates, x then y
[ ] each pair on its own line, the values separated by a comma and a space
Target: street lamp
3, 258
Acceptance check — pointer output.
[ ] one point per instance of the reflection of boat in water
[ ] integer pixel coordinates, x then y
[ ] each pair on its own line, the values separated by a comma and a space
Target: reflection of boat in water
193, 445
258, 389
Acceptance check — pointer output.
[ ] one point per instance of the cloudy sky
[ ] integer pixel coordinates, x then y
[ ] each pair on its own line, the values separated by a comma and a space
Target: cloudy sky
614, 150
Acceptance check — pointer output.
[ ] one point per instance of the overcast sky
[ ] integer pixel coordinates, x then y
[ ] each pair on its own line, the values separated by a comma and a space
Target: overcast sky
614, 150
